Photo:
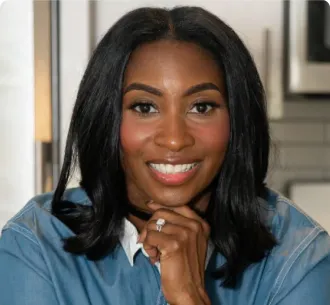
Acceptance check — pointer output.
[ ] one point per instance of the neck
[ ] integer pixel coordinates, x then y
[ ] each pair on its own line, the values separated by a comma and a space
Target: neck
135, 211
137, 222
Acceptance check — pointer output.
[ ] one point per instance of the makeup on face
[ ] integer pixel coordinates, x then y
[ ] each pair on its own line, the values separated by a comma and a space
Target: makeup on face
175, 124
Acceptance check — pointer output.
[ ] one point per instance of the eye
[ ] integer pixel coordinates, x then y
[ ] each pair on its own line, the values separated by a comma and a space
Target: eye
204, 107
144, 108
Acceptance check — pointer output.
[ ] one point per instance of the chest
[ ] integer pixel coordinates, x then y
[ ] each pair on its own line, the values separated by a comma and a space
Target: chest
114, 281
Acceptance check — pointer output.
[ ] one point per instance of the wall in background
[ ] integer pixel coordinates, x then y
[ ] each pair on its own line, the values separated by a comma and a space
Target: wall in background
301, 144
75, 50
16, 106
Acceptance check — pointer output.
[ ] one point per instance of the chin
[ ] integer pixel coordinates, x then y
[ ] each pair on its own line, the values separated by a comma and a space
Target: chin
172, 202
174, 198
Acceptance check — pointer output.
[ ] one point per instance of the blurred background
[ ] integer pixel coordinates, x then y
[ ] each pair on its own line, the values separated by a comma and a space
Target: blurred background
45, 46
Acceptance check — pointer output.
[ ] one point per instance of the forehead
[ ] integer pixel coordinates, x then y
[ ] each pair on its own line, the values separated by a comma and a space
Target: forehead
182, 62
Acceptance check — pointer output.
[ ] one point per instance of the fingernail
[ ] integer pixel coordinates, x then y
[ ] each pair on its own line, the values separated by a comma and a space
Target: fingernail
150, 202
138, 239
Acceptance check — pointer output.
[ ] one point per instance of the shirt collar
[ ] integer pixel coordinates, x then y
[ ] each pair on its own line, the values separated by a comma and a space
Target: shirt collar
129, 239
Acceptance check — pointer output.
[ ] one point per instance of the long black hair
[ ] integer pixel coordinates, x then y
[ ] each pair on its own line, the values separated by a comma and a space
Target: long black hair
93, 141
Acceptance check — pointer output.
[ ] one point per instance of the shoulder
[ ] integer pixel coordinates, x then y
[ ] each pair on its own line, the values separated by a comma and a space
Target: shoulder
290, 225
35, 221
287, 212
302, 244
32, 257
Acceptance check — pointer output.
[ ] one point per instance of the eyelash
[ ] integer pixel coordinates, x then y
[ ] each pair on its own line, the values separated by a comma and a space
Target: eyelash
142, 103
136, 104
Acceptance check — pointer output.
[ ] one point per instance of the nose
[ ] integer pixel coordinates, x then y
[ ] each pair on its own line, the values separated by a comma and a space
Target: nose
173, 134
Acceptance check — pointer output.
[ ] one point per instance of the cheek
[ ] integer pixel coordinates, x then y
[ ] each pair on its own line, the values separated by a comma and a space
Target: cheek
215, 136
133, 136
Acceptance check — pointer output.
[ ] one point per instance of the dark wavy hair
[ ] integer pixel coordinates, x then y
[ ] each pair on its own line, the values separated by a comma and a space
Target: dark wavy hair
93, 142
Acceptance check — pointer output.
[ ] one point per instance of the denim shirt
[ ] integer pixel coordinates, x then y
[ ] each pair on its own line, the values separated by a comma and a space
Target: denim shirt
34, 268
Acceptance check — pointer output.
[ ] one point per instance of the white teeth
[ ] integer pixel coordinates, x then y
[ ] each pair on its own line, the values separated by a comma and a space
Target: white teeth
172, 169
163, 168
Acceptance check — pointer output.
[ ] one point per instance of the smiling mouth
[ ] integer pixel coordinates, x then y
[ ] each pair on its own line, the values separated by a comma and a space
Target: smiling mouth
172, 169
170, 174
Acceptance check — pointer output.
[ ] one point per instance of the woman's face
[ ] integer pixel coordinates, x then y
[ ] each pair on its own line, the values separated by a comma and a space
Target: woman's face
175, 124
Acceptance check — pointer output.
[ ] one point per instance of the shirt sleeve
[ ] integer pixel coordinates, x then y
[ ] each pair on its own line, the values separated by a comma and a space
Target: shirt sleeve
313, 289
24, 278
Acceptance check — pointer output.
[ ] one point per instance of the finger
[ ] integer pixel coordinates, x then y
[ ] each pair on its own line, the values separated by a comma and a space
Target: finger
196, 224
185, 211
151, 250
164, 214
163, 242
181, 233
181, 230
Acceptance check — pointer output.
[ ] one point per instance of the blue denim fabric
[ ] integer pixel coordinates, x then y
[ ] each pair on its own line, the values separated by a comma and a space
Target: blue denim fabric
34, 269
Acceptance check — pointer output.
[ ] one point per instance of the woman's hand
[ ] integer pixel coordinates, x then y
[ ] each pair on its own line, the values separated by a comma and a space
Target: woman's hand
181, 248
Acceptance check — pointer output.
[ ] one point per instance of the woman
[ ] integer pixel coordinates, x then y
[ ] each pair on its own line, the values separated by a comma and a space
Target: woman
171, 137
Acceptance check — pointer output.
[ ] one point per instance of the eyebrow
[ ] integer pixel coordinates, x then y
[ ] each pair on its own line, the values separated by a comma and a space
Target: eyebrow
192, 90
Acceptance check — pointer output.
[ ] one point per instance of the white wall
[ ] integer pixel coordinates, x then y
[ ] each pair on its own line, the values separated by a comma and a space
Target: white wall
74, 54
16, 106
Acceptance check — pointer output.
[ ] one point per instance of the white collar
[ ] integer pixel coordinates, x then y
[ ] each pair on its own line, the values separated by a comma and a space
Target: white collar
129, 239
